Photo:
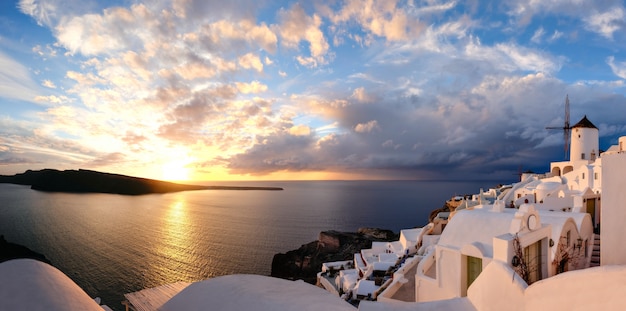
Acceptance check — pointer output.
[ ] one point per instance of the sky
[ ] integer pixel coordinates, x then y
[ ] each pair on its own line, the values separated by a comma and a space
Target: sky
280, 90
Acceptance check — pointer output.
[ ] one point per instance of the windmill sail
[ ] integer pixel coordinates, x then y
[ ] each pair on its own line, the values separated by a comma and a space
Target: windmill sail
567, 129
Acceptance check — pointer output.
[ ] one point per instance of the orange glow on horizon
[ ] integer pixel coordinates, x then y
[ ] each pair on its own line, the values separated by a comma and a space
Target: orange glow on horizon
183, 172
222, 174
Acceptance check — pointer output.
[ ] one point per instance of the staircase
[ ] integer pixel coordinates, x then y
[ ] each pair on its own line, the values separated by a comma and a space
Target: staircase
595, 254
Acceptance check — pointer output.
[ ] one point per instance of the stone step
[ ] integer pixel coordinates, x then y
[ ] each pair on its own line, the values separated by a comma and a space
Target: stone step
595, 254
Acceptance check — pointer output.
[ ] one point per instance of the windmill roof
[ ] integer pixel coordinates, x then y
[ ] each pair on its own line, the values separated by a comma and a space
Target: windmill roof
584, 122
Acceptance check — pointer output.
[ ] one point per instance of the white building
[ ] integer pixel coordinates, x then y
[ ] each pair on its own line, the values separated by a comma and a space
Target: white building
548, 243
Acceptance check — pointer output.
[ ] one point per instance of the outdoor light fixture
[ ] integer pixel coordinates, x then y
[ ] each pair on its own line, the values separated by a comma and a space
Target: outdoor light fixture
515, 261
551, 242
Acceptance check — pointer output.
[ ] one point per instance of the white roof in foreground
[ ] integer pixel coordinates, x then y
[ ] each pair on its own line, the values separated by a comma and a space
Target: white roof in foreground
27, 284
254, 292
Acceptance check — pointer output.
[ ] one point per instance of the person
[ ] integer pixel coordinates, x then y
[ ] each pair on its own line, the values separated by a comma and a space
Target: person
512, 205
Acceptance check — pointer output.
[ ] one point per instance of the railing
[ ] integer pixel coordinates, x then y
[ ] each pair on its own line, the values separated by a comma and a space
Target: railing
327, 285
426, 265
399, 278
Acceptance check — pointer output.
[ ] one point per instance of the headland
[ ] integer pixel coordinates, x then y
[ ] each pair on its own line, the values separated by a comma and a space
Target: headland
88, 181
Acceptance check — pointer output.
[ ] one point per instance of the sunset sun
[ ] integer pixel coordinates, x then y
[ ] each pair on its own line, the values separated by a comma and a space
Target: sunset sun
175, 171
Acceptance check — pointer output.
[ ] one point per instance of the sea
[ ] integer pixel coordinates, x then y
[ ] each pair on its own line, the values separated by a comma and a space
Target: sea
115, 244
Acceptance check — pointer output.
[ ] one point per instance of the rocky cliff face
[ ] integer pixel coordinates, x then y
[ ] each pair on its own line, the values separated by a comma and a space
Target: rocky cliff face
305, 262
10, 251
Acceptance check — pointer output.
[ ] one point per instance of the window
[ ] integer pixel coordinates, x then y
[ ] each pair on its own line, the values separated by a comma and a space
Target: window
595, 176
569, 236
583, 175
582, 156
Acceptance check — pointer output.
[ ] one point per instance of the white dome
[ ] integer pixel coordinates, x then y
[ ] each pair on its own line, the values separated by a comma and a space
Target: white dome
254, 292
27, 284
549, 185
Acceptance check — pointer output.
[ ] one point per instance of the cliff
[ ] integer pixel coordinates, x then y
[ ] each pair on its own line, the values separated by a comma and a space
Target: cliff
10, 251
305, 262
86, 181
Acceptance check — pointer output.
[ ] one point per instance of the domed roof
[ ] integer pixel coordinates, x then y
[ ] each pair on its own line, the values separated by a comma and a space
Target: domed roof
549, 185
27, 284
585, 123
254, 292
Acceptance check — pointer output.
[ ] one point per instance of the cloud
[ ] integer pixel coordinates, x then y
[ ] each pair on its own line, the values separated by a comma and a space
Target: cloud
602, 17
512, 57
297, 26
382, 18
107, 159
94, 34
49, 84
555, 36
52, 99
361, 95
15, 161
44, 12
366, 127
606, 23
15, 80
251, 61
227, 32
619, 69
252, 87
300, 130
46, 53
279, 152
29, 146
537, 36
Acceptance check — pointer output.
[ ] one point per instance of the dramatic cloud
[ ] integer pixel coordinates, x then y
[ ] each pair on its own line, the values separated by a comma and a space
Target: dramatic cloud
265, 90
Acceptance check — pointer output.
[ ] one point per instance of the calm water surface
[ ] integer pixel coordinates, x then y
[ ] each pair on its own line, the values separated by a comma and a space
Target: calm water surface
112, 244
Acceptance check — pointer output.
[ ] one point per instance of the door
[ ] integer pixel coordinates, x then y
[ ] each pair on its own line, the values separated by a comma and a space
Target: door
532, 257
591, 209
474, 268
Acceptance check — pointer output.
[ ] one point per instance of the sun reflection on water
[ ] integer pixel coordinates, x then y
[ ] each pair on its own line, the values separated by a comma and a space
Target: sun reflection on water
175, 244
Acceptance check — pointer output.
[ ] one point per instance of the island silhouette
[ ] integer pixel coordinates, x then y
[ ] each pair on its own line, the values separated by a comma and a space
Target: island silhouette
88, 181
